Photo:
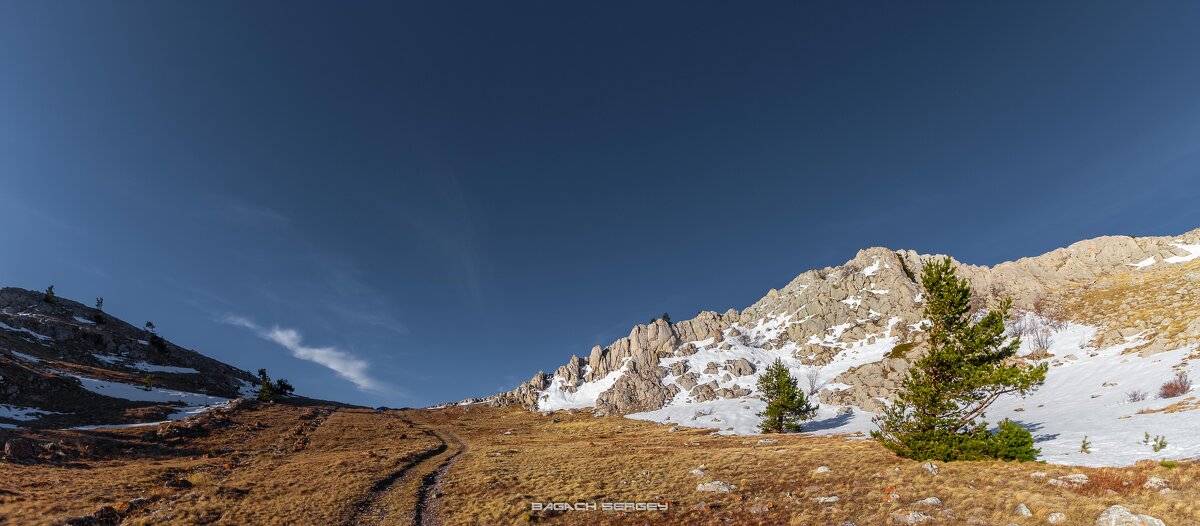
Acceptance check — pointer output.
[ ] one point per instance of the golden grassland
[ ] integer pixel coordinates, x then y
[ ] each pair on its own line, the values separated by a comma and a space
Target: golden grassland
319, 465
274, 464
1163, 299
516, 458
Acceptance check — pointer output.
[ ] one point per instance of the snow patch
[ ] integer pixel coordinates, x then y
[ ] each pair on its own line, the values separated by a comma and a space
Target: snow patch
871, 270
140, 394
1143, 263
8, 327
178, 414
16, 412
22, 355
557, 397
1192, 250
149, 367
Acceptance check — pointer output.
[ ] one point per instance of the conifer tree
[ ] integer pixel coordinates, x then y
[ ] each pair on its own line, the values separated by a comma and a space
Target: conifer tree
939, 409
787, 405
268, 391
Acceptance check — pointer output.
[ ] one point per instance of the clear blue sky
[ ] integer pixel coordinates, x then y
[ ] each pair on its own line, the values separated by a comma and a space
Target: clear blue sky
440, 198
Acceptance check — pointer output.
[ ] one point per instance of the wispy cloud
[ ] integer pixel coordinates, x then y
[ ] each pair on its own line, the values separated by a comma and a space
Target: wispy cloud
346, 365
331, 276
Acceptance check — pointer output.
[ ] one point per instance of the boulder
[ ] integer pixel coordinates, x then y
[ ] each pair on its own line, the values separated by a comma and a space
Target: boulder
1121, 516
909, 517
740, 367
19, 449
715, 486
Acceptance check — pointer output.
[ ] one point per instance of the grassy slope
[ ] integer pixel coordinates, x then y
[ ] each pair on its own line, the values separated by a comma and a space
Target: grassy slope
285, 464
276, 464
581, 458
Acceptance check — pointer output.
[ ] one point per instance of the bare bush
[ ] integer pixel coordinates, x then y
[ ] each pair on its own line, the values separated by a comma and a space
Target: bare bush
1176, 386
814, 380
1136, 395
1036, 330
1039, 338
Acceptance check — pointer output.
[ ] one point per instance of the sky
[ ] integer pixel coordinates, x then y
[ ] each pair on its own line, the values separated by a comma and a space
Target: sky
405, 203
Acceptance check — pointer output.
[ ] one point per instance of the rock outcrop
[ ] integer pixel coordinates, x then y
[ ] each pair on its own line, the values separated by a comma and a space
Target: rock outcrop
870, 301
53, 349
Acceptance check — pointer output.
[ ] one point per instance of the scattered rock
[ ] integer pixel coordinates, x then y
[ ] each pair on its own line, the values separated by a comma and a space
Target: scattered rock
1069, 481
1121, 516
1038, 474
1056, 518
827, 500
821, 470
1155, 483
1023, 510
1076, 478
740, 367
930, 467
18, 449
714, 486
909, 517
931, 501
767, 441
761, 508
699, 471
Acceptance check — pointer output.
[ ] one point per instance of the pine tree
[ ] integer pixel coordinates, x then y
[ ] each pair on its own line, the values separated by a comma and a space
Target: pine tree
98, 316
939, 409
268, 391
786, 403
49, 296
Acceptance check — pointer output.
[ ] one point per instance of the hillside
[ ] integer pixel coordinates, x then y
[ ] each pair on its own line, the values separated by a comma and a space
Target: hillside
1115, 317
65, 364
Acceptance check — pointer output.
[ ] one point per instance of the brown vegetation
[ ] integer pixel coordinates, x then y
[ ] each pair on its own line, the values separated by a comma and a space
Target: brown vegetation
287, 464
1176, 386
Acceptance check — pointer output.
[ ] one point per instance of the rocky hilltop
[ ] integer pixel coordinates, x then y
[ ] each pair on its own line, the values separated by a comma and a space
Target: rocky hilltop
63, 363
852, 330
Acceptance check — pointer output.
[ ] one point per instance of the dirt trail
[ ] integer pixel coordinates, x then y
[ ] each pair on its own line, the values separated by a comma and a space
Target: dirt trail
428, 497
408, 495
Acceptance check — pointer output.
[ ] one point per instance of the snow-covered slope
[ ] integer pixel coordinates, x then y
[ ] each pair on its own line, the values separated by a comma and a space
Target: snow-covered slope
63, 364
1112, 316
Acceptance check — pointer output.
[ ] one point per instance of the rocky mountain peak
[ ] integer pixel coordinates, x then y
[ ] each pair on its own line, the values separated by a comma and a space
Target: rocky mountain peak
853, 314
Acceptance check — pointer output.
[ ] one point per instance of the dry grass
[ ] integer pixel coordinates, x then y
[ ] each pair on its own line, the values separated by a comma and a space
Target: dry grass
277, 464
582, 458
1161, 299
1187, 404
281, 464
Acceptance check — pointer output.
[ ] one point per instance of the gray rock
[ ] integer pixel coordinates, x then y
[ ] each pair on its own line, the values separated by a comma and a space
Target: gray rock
1023, 510
18, 449
909, 517
740, 367
715, 486
930, 467
1056, 518
1154, 483
1121, 516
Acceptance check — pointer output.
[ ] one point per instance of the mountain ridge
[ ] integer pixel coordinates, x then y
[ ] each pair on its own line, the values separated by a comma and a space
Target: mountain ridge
64, 364
843, 325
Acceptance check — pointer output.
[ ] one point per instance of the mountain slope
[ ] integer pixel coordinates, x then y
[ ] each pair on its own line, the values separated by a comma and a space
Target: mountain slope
1120, 312
62, 363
